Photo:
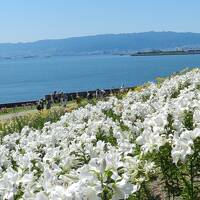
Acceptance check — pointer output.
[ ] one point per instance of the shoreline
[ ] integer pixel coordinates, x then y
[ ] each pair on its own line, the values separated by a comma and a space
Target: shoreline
70, 96
161, 53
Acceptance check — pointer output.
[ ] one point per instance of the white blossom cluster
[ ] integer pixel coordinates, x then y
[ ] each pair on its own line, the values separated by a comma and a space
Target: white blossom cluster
97, 152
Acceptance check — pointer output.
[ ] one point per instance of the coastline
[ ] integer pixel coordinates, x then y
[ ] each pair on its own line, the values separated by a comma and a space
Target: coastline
70, 96
161, 53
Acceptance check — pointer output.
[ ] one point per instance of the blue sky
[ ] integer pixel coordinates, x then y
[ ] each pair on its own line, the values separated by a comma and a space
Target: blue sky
31, 20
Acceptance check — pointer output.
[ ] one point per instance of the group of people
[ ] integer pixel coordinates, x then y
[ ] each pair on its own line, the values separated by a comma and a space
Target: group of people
52, 99
62, 98
41, 104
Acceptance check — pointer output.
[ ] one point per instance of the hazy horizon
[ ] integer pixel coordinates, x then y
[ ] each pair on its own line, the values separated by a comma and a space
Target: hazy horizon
44, 39
29, 21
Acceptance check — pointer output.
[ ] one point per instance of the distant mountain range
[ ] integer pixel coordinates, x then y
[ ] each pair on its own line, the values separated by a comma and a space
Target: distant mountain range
101, 44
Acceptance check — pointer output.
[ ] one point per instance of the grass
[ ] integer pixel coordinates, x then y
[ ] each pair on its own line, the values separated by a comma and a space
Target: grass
5, 111
37, 120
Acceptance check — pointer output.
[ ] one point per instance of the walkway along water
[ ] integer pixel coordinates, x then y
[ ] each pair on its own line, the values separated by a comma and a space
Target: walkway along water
69, 96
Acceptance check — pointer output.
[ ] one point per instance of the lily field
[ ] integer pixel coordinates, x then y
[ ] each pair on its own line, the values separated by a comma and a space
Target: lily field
142, 145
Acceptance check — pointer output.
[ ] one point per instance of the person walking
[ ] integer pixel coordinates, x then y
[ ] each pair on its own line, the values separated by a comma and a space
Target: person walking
103, 92
48, 105
78, 98
65, 99
61, 98
97, 93
38, 106
88, 95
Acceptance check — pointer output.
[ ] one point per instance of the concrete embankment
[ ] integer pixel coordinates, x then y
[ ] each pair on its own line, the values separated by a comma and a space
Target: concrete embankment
70, 96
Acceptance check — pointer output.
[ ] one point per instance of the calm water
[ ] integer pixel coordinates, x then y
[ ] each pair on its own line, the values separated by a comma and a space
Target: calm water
30, 79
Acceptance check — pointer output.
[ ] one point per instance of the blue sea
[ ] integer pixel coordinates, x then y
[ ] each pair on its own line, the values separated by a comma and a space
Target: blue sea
31, 79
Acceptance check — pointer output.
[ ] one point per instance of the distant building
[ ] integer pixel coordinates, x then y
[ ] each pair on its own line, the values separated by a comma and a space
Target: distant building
179, 49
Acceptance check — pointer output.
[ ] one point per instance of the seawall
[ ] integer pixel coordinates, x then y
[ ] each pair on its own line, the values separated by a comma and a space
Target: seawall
70, 96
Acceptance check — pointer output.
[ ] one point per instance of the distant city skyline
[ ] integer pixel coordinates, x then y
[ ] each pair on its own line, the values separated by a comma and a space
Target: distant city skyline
27, 21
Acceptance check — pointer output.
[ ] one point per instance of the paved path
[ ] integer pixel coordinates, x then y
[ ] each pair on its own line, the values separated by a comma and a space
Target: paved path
9, 116
18, 114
